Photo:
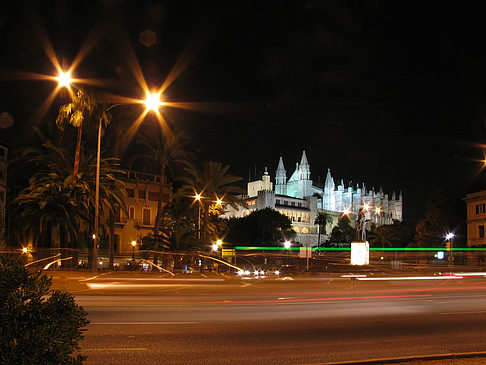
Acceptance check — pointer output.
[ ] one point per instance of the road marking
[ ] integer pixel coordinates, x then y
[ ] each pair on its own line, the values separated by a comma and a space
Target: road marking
143, 323
119, 349
464, 312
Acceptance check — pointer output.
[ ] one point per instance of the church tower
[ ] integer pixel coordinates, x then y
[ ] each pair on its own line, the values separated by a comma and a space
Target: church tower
329, 199
305, 183
281, 179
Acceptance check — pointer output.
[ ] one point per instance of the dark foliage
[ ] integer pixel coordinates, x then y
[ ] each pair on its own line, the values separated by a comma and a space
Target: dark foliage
264, 227
343, 232
38, 325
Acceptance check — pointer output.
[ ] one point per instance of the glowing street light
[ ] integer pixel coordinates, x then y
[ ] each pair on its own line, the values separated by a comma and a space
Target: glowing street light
219, 201
287, 244
134, 243
64, 79
25, 250
215, 247
219, 242
152, 102
450, 237
366, 206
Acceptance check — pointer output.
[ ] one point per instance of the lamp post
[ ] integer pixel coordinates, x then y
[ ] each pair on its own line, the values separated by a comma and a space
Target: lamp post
134, 243
198, 198
287, 245
152, 103
450, 237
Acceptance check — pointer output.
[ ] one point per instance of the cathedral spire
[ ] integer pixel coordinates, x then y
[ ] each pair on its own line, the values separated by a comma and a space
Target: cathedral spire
281, 178
280, 165
329, 184
303, 161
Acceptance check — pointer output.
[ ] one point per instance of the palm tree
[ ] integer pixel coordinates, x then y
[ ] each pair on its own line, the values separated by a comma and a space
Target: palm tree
384, 235
166, 149
322, 220
211, 180
52, 199
83, 106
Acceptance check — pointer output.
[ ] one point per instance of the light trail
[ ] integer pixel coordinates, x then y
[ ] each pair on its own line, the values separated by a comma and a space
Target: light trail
448, 277
47, 258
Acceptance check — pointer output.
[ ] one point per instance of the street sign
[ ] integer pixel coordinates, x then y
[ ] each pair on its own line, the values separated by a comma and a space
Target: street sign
228, 252
305, 252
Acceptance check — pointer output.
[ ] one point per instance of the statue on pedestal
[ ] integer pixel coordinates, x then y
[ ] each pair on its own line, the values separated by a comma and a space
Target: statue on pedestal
361, 226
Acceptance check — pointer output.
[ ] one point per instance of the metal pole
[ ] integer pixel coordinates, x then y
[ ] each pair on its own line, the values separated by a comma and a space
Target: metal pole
452, 252
97, 201
199, 222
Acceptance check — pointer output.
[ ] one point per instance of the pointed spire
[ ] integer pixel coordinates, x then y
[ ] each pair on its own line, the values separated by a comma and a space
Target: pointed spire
280, 164
329, 184
394, 197
303, 160
400, 195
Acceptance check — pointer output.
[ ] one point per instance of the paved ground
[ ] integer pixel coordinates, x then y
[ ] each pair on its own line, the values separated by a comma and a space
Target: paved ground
147, 319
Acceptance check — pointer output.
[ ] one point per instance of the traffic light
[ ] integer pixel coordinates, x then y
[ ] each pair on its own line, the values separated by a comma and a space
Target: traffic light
448, 245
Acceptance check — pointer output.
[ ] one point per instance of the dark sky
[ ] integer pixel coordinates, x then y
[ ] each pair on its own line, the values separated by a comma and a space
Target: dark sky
386, 93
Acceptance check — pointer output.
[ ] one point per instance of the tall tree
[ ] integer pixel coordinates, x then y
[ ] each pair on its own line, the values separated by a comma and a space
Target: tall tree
166, 149
212, 181
263, 226
322, 220
343, 232
445, 212
82, 107
51, 199
384, 235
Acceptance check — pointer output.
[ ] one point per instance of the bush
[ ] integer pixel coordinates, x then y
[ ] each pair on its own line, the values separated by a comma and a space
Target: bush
38, 325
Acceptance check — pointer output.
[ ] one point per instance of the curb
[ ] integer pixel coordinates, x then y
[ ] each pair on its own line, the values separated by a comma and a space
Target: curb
394, 360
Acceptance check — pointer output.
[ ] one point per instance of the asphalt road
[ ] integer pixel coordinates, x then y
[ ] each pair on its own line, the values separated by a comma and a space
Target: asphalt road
284, 322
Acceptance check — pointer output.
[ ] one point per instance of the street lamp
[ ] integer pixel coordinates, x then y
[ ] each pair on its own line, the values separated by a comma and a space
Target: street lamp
198, 198
64, 79
287, 245
134, 243
152, 102
450, 237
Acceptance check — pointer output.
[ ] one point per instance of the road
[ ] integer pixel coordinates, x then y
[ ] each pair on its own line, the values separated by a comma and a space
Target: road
280, 322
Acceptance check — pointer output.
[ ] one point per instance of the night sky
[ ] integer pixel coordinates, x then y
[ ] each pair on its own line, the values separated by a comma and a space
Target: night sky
386, 93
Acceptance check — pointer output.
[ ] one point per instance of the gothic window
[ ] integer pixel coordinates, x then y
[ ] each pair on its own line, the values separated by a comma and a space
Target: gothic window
299, 219
480, 208
481, 231
131, 212
305, 230
296, 229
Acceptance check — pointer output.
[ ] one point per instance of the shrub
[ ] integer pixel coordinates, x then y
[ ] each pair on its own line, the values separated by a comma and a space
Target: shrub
38, 325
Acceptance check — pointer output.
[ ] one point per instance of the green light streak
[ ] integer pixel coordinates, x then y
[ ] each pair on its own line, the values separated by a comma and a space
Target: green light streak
409, 249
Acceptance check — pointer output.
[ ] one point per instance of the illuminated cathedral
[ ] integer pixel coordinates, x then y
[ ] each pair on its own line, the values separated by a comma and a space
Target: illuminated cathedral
299, 199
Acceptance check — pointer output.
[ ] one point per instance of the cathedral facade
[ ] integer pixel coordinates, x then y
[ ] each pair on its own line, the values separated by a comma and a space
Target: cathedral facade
299, 199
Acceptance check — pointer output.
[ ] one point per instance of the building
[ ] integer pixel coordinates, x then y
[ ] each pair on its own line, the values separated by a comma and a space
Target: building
3, 193
141, 202
300, 200
476, 219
